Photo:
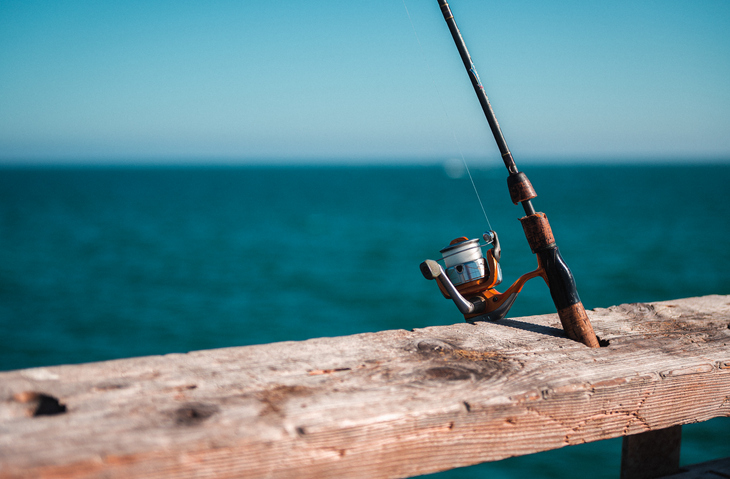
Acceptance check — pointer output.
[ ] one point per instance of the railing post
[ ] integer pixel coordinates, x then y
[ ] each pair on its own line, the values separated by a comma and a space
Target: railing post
651, 454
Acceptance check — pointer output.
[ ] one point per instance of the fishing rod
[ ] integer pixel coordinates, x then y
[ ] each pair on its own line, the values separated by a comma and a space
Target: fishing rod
469, 279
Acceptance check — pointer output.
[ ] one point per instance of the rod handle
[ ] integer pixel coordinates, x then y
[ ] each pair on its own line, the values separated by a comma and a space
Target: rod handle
564, 293
559, 279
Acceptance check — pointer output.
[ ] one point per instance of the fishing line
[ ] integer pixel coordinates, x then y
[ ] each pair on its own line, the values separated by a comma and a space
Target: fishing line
446, 114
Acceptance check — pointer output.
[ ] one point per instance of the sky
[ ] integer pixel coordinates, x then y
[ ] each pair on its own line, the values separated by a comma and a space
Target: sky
354, 81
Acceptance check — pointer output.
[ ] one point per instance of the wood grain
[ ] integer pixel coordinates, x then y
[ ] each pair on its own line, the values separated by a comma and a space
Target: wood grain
388, 404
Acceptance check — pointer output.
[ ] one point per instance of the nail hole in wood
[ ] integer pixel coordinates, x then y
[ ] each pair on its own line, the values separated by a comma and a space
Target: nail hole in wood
192, 414
48, 406
42, 404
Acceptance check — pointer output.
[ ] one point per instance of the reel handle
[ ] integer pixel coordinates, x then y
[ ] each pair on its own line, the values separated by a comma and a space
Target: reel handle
432, 270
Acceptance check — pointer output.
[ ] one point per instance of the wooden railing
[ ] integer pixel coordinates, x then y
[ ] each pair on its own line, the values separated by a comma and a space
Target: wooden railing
388, 404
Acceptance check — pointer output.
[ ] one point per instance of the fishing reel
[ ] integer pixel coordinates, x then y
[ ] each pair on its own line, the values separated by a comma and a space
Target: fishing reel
469, 279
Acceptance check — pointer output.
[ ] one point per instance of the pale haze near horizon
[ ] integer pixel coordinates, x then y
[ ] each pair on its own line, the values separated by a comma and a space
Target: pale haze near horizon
379, 81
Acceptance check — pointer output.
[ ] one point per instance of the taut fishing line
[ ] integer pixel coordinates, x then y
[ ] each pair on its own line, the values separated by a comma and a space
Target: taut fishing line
446, 114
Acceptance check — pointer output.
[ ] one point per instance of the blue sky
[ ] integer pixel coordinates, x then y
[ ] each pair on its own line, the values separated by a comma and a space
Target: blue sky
342, 81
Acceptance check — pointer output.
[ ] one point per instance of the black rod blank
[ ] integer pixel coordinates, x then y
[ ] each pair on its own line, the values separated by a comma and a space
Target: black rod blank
509, 162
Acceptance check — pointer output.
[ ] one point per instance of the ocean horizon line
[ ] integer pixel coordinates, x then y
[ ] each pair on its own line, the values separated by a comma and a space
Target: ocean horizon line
344, 162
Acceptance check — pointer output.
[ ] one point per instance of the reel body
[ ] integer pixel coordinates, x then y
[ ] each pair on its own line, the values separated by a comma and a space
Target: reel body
469, 278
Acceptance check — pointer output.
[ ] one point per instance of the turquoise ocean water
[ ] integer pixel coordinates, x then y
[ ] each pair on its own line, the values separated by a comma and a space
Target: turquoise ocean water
103, 263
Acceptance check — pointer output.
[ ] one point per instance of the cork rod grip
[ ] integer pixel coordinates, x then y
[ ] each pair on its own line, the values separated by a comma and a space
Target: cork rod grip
559, 279
577, 326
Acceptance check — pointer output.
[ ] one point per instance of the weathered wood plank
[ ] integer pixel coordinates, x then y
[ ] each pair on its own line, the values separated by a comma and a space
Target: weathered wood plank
389, 404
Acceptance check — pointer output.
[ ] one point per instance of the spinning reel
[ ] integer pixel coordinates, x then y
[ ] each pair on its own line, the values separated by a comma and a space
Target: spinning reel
469, 278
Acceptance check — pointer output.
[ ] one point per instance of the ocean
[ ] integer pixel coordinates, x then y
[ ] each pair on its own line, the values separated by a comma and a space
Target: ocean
100, 263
